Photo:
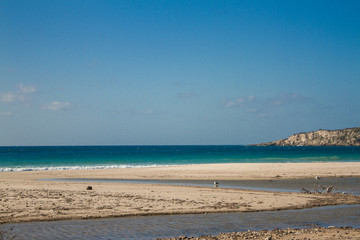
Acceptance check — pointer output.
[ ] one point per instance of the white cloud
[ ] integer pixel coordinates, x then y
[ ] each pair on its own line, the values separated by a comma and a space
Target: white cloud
285, 98
20, 95
26, 89
12, 97
56, 106
278, 100
229, 103
234, 102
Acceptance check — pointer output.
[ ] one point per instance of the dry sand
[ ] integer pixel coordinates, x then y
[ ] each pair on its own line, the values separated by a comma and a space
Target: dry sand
24, 198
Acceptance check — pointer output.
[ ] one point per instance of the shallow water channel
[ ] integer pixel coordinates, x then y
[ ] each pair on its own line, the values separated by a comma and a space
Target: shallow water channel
152, 227
342, 185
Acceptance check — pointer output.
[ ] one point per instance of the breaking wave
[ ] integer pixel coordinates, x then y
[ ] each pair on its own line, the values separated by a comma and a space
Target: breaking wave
20, 169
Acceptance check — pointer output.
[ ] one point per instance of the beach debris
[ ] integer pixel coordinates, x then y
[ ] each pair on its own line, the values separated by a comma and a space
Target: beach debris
304, 190
324, 189
89, 188
329, 189
216, 184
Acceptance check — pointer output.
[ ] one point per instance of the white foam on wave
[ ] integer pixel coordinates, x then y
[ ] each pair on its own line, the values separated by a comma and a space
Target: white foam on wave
21, 169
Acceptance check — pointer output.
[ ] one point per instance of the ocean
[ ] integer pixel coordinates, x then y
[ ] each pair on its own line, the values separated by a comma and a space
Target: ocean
106, 157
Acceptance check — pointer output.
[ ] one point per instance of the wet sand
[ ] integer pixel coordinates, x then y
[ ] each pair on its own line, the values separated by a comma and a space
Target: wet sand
25, 198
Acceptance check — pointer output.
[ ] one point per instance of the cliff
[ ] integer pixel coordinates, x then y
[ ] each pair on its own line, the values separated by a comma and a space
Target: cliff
341, 137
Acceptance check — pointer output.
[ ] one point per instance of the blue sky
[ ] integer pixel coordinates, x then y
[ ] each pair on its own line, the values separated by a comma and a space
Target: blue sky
176, 72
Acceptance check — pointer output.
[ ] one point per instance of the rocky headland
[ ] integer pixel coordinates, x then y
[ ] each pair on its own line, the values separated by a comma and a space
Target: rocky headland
341, 137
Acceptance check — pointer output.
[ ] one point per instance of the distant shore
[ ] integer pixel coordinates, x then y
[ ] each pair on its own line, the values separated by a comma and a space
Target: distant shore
25, 198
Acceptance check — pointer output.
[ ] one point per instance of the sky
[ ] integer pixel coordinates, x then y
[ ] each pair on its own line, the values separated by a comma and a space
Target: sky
176, 72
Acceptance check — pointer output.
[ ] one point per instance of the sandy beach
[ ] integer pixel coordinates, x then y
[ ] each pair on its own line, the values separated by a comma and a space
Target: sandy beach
24, 197
318, 233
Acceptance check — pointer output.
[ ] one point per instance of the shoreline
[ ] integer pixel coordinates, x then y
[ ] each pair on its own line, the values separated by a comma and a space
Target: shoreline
24, 198
170, 166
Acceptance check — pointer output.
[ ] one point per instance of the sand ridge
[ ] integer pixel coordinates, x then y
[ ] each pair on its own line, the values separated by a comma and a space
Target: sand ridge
319, 233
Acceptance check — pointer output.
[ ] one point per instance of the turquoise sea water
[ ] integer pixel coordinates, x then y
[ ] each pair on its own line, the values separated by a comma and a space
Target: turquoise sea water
98, 157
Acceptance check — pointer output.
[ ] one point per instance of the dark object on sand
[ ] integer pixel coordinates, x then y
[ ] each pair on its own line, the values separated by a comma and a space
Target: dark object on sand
89, 188
322, 191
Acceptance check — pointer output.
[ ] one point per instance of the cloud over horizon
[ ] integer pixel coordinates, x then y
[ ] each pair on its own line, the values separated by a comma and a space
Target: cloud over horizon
262, 106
